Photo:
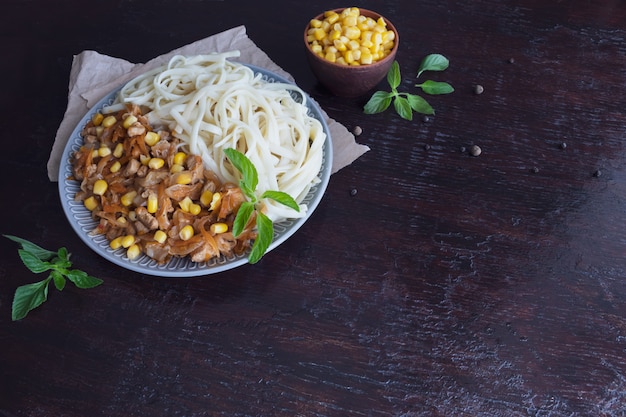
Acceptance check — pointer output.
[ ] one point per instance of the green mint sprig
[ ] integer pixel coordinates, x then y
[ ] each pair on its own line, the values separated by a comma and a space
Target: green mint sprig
38, 260
248, 184
405, 103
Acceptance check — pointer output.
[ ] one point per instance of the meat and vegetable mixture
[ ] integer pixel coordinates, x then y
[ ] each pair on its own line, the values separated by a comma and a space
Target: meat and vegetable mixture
150, 196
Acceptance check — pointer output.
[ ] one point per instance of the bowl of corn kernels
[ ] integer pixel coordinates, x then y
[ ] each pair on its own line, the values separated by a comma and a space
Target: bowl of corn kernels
350, 50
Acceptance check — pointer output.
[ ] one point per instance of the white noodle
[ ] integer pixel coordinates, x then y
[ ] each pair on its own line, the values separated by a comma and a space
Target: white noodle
212, 104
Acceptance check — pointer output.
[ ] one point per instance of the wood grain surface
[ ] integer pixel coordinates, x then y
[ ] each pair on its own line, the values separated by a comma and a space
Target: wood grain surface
428, 282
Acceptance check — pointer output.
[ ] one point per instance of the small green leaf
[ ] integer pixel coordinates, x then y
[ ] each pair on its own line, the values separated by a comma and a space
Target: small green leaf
248, 171
433, 62
39, 252
403, 108
33, 263
59, 280
242, 218
265, 235
393, 75
379, 102
419, 105
282, 198
28, 297
82, 279
435, 87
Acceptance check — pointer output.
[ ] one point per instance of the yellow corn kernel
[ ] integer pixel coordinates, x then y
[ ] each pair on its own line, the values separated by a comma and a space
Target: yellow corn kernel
127, 241
100, 187
133, 252
179, 158
331, 17
122, 220
183, 178
367, 43
379, 29
186, 232
339, 45
97, 119
330, 56
316, 48
366, 57
350, 21
118, 151
99, 130
206, 197
116, 243
185, 203
215, 201
389, 36
315, 23
115, 167
153, 203
334, 35
195, 209
217, 228
108, 121
132, 215
90, 203
144, 159
128, 121
176, 168
348, 56
156, 163
104, 151
128, 198
152, 138
160, 236
94, 153
319, 34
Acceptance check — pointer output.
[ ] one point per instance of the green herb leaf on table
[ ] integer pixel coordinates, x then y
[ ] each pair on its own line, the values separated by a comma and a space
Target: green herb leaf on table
379, 102
264, 225
433, 62
435, 87
393, 75
37, 260
28, 297
405, 103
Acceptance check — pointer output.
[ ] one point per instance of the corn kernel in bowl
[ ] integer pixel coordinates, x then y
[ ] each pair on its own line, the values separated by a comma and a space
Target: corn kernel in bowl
350, 38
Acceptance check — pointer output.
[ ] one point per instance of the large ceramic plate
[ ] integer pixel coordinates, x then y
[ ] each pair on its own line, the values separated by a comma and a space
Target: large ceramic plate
82, 223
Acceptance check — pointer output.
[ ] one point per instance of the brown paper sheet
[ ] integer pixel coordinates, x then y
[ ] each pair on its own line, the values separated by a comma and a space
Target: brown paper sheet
94, 75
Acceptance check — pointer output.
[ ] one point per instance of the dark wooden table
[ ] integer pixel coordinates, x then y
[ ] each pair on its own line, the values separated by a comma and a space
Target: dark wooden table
448, 285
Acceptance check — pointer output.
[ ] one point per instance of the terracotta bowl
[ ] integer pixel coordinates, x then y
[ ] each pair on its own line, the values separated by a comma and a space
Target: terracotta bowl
347, 80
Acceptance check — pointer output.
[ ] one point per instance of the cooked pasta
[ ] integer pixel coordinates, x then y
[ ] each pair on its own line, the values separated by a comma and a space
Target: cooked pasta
212, 104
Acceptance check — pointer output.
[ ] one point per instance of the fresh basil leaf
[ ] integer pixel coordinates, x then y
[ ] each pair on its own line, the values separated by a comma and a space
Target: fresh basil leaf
435, 87
379, 102
246, 167
82, 279
393, 75
28, 297
403, 108
433, 62
37, 251
419, 105
265, 235
242, 218
58, 279
282, 198
33, 263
